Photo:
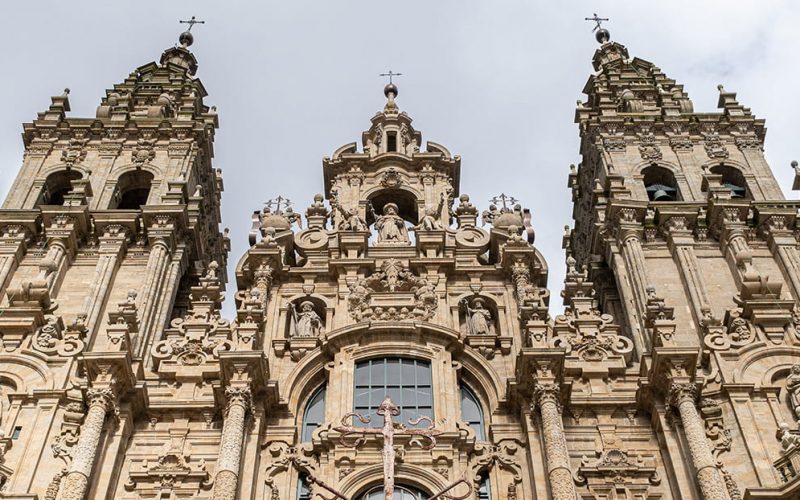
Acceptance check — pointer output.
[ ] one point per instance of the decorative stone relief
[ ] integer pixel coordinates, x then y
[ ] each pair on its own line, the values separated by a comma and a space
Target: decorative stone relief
392, 293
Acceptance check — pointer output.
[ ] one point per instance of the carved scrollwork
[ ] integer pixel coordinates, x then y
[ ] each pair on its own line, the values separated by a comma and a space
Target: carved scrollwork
392, 293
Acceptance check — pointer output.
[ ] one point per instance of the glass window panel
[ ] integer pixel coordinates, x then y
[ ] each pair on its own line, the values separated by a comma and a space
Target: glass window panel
484, 491
377, 372
471, 412
362, 375
423, 374
400, 493
406, 381
393, 372
314, 414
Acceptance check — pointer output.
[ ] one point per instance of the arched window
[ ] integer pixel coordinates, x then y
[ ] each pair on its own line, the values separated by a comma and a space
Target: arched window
132, 190
406, 381
314, 415
303, 490
400, 493
484, 489
56, 186
732, 179
471, 412
660, 184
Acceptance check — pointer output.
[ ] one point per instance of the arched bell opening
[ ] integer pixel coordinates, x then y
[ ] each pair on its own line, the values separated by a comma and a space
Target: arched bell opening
732, 179
56, 186
132, 190
660, 184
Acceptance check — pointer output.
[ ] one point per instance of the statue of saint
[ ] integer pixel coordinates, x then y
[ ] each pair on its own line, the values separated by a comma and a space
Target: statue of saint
391, 227
307, 322
478, 318
432, 218
351, 221
793, 386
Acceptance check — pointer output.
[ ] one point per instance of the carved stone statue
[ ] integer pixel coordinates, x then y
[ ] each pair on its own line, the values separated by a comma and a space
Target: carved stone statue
788, 438
793, 387
478, 317
351, 221
391, 227
432, 218
307, 322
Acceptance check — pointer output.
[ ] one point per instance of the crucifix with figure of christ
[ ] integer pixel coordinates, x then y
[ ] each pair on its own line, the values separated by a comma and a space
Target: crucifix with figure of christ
425, 438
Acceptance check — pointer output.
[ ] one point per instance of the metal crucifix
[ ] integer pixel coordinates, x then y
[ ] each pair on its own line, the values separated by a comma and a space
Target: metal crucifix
504, 199
390, 74
191, 22
280, 203
599, 20
424, 438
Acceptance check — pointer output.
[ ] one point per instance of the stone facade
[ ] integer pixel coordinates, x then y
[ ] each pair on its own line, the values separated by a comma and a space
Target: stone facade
673, 372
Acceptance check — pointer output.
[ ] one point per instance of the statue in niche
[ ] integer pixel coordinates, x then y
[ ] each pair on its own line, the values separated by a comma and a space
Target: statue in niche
793, 387
432, 219
391, 227
351, 221
307, 322
479, 318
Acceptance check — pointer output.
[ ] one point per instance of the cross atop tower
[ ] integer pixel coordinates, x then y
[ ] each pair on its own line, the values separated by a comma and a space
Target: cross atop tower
599, 20
191, 22
390, 74
278, 204
505, 200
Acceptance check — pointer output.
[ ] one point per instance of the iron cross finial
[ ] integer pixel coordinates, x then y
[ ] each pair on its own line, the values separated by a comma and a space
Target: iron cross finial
597, 19
279, 204
505, 200
390, 74
191, 22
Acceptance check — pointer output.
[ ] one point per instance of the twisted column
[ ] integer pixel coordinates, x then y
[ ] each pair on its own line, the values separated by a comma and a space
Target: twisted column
555, 443
226, 479
712, 486
76, 481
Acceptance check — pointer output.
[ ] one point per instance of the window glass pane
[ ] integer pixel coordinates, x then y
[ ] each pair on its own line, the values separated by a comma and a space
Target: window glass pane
400, 493
484, 491
314, 414
406, 381
303, 491
471, 412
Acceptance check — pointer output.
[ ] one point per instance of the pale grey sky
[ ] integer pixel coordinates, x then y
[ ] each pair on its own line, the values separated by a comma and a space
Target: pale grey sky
494, 81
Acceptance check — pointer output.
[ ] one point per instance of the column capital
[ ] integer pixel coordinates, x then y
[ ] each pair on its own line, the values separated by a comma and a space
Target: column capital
547, 393
682, 392
104, 397
238, 395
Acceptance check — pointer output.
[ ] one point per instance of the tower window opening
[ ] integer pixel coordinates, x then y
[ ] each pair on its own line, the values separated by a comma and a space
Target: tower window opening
732, 179
660, 184
57, 186
391, 142
132, 191
16, 433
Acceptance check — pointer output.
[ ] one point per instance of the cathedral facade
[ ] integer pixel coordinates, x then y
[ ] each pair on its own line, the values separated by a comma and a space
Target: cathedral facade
395, 339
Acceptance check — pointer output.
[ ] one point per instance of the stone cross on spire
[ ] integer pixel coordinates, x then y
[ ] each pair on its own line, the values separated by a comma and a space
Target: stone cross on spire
191, 22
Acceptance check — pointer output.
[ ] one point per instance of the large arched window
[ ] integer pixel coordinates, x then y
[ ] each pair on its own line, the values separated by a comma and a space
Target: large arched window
406, 381
471, 412
484, 489
732, 179
400, 493
660, 184
132, 190
314, 415
56, 186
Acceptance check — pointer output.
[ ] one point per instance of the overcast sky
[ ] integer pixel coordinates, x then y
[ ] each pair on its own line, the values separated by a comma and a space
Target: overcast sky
494, 81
